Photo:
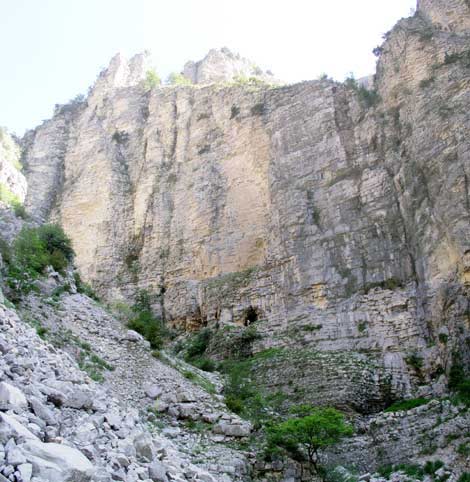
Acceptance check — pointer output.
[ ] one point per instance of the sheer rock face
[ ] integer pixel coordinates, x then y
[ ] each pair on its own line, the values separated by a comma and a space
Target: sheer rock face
11, 177
343, 227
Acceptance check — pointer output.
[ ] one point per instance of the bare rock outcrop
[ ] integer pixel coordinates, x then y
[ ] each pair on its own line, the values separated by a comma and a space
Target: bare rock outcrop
222, 65
11, 178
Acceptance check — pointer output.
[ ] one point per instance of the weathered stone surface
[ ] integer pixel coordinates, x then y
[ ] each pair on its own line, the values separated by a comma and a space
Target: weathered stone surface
57, 462
222, 65
11, 177
11, 397
10, 427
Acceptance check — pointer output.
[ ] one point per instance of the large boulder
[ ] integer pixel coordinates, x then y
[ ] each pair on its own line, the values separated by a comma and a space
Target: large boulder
231, 429
11, 398
56, 462
157, 472
11, 428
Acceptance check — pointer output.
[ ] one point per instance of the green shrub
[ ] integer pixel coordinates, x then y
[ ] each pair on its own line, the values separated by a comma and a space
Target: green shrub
151, 79
415, 361
458, 382
7, 196
385, 471
5, 251
178, 79
463, 391
55, 239
464, 449
443, 338
84, 288
30, 250
12, 200
143, 322
234, 404
411, 470
465, 477
431, 466
406, 404
198, 345
205, 364
305, 437
368, 98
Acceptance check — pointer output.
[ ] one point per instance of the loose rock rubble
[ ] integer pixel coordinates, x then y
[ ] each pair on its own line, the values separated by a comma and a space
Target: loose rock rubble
57, 425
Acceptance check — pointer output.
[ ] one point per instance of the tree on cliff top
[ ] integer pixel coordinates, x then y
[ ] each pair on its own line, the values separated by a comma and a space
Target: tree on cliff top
305, 436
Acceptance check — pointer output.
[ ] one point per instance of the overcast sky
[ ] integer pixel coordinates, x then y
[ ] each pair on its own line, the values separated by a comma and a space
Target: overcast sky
52, 50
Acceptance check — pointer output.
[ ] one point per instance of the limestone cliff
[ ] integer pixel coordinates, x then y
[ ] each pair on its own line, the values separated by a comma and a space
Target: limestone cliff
12, 180
335, 217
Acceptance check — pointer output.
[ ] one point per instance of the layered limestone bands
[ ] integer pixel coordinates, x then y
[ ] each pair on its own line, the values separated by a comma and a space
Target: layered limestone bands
336, 220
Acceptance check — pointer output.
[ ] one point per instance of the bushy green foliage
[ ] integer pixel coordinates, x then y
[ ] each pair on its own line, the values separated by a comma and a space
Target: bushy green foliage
385, 471
198, 344
431, 466
407, 404
33, 250
11, 149
368, 98
12, 200
415, 361
144, 322
464, 449
244, 397
414, 471
443, 338
411, 470
458, 382
178, 79
304, 437
84, 288
151, 79
465, 477
196, 349
92, 364
245, 80
205, 364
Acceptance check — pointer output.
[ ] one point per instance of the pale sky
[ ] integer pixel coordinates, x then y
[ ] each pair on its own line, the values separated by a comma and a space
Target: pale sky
52, 50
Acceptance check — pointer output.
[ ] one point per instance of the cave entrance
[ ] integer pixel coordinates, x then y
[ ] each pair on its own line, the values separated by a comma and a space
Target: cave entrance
251, 315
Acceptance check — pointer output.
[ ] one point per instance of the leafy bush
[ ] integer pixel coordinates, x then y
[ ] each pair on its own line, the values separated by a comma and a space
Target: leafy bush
12, 200
385, 471
458, 382
31, 252
178, 79
84, 288
143, 322
465, 477
305, 437
464, 449
415, 361
199, 344
407, 404
205, 364
43, 246
463, 390
368, 97
151, 79
243, 397
431, 466
411, 470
